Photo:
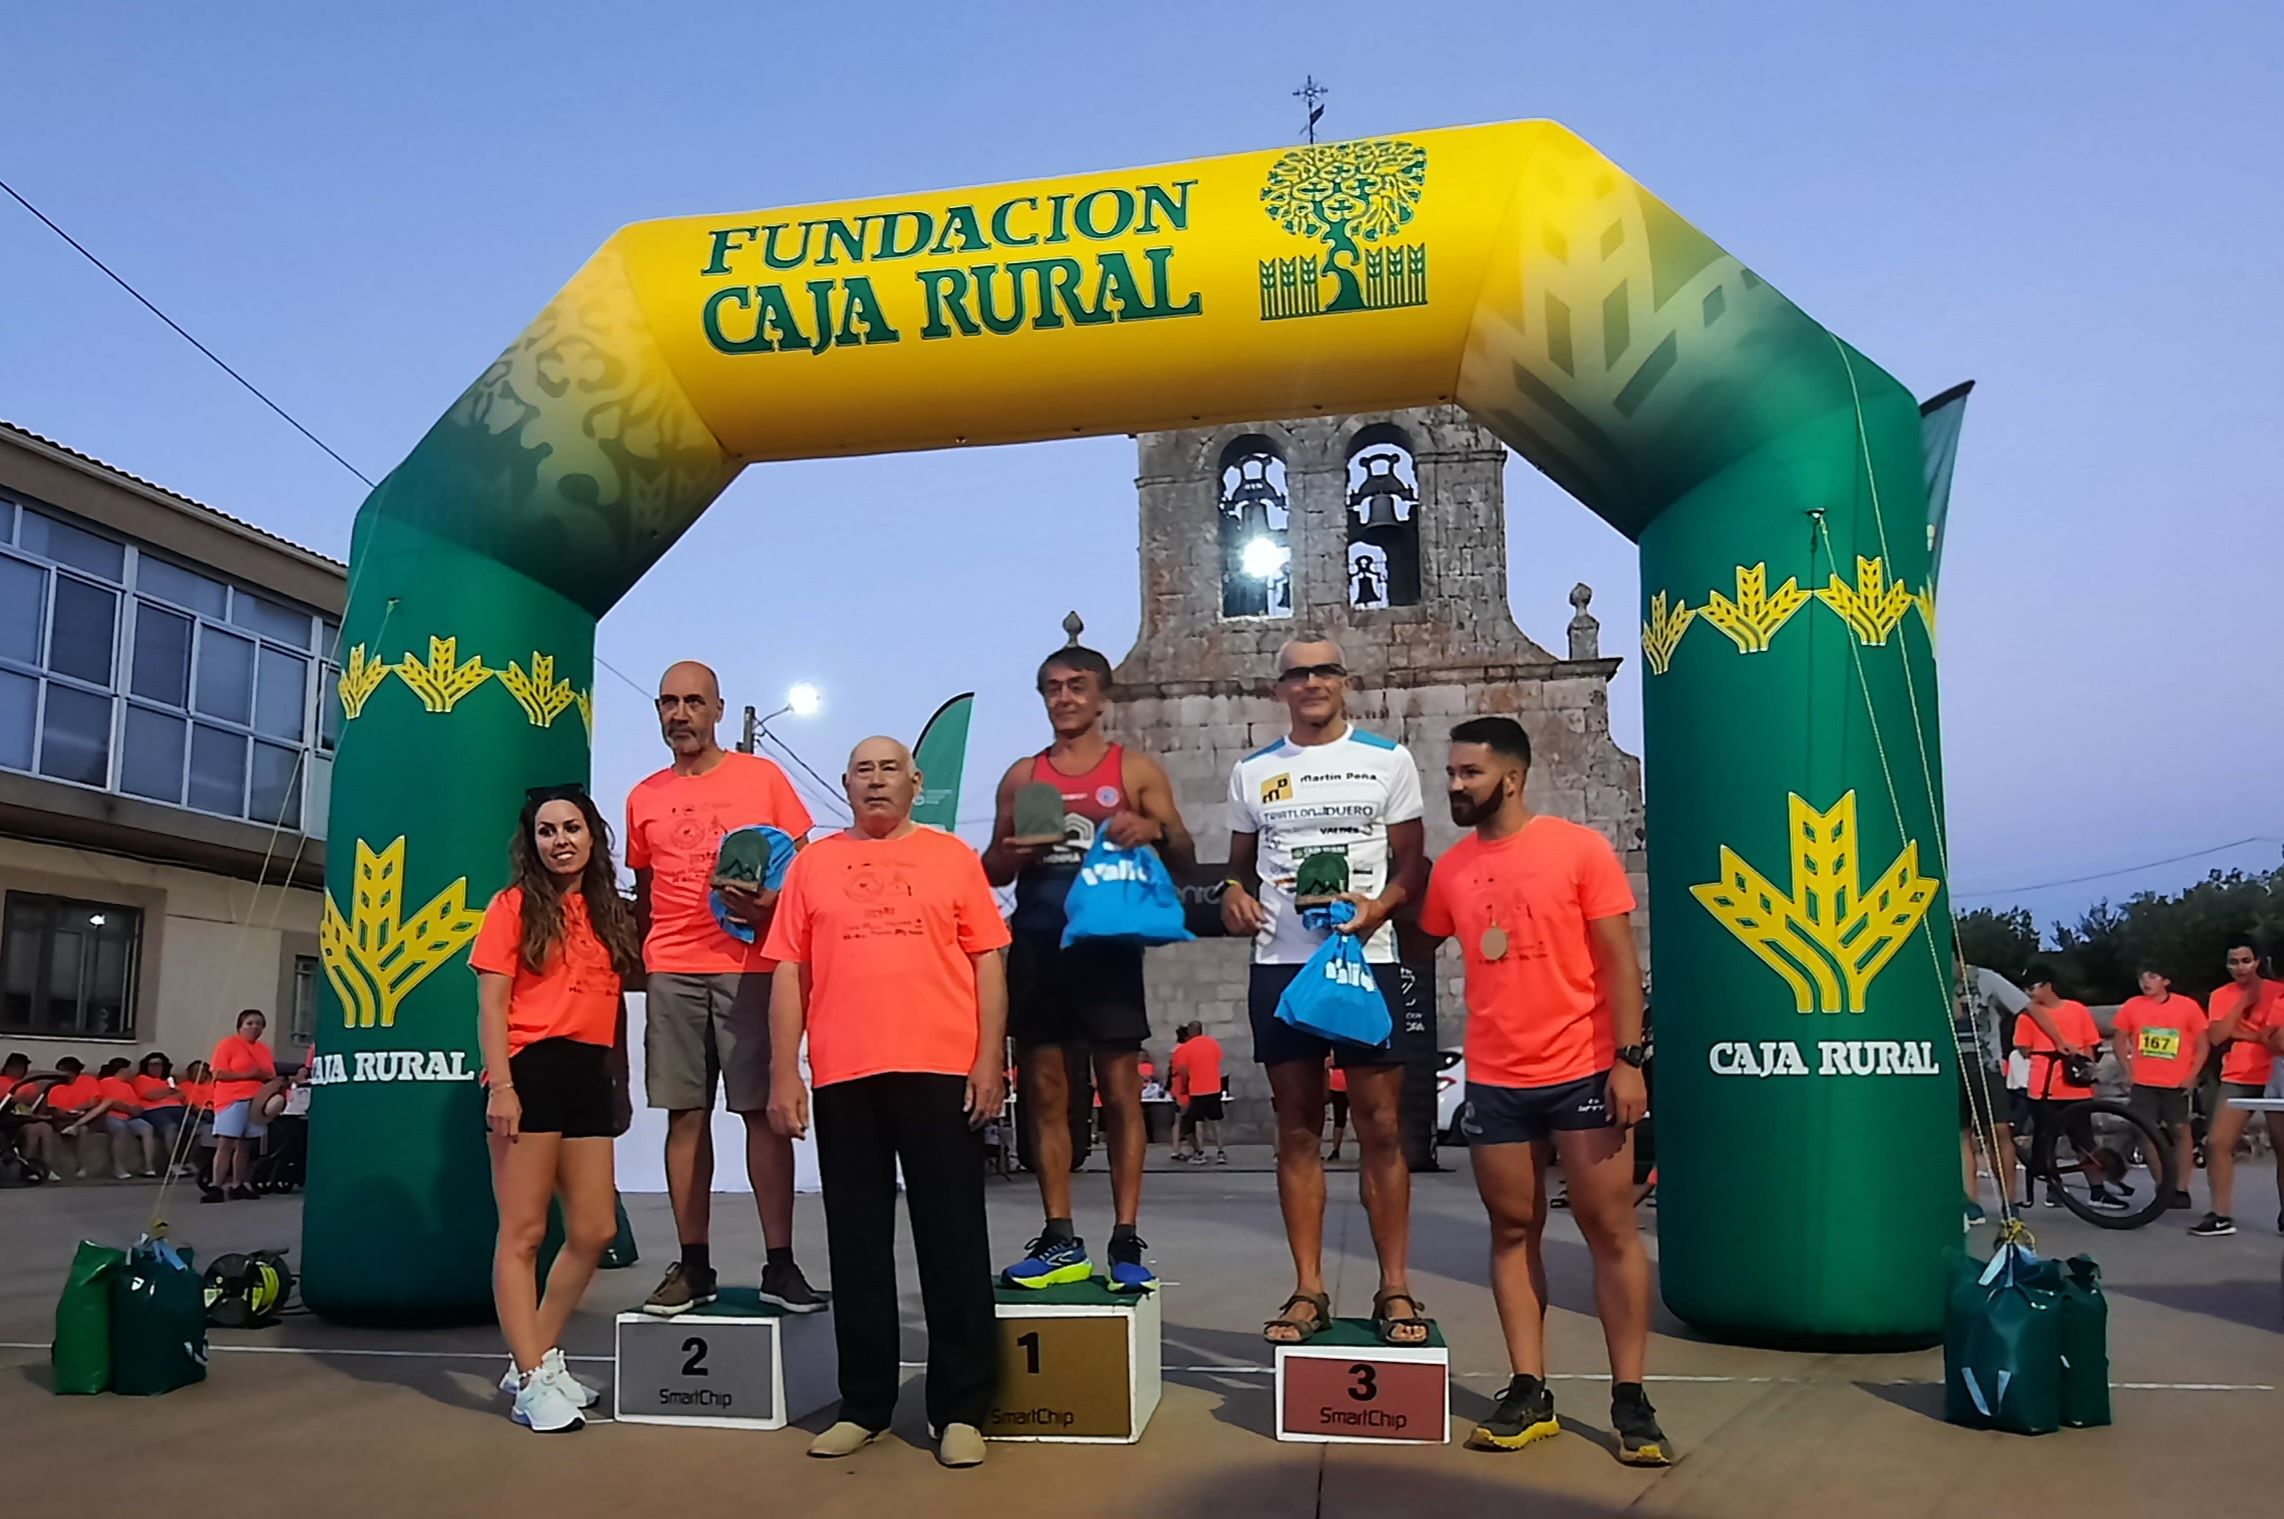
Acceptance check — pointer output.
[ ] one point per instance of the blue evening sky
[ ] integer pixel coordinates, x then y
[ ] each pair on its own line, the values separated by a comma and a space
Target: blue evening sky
2073, 204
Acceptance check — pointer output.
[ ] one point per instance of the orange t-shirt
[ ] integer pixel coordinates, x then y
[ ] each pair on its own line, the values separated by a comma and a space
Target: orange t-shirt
72, 1096
675, 825
575, 997
121, 1093
886, 927
2047, 1078
1197, 1061
1536, 1015
2159, 1039
157, 1092
2248, 1059
198, 1094
236, 1054
1335, 1079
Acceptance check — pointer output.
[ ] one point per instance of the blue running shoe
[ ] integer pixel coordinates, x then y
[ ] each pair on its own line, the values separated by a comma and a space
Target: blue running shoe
1127, 1273
1050, 1263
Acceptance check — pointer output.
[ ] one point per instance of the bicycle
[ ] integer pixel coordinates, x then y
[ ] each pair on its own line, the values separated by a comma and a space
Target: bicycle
2086, 1148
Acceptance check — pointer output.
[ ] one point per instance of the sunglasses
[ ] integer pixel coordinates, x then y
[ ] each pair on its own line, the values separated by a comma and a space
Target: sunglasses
1300, 673
562, 791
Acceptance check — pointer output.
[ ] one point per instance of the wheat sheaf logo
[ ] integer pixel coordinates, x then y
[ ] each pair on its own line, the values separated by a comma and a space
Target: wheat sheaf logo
1345, 195
375, 956
1827, 936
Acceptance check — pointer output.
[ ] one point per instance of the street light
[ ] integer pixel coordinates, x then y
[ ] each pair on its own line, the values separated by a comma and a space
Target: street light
803, 700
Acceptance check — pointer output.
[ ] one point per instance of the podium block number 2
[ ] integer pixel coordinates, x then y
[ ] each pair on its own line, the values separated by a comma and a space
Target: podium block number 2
695, 1349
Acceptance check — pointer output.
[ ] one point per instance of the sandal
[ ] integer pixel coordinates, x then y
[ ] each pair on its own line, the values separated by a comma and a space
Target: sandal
1384, 1325
1303, 1329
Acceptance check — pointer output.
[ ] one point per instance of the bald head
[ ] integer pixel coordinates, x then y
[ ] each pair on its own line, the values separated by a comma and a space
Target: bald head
689, 710
881, 783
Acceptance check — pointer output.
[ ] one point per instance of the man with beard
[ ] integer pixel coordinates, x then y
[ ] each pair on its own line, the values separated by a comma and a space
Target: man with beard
1543, 914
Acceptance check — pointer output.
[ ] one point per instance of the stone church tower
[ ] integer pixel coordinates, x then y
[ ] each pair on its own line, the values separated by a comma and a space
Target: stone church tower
1388, 533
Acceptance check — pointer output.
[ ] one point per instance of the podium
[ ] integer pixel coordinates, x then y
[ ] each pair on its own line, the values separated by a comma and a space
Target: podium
1346, 1388
1077, 1363
738, 1363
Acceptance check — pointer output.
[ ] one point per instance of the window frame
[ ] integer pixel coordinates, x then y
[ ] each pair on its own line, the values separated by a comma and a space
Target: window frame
130, 990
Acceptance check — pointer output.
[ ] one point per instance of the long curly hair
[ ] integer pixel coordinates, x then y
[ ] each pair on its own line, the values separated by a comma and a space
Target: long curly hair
544, 890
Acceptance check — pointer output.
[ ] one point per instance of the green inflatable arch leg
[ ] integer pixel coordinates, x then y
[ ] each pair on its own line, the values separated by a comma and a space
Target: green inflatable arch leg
1769, 473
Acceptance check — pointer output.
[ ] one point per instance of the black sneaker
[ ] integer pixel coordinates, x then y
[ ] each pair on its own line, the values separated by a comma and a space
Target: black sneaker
1640, 1441
2179, 1199
680, 1292
2053, 1196
2107, 1201
2213, 1226
1525, 1414
783, 1284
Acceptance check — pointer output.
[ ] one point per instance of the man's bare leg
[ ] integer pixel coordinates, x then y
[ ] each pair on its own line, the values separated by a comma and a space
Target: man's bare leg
769, 1166
1599, 1164
1118, 1077
1047, 1094
1374, 1101
1296, 1090
690, 1173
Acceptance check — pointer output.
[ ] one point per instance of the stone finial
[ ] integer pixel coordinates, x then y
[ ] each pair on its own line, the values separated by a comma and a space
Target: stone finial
1073, 626
1585, 628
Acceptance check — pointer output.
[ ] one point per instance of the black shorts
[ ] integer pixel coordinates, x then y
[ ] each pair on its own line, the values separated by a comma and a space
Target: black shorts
1089, 995
1982, 1095
1339, 1110
1276, 1042
1203, 1109
565, 1087
1519, 1115
2163, 1106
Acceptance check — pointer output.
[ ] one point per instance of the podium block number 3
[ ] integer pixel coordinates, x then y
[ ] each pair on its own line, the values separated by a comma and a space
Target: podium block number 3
1366, 1387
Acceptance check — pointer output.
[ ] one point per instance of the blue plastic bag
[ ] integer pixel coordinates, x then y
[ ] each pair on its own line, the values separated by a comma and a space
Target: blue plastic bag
1336, 997
780, 860
1123, 896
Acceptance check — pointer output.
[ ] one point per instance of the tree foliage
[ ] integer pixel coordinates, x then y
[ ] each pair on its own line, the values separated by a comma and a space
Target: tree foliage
2186, 935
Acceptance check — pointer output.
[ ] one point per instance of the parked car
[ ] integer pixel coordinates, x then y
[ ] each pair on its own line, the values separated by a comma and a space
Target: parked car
1450, 1095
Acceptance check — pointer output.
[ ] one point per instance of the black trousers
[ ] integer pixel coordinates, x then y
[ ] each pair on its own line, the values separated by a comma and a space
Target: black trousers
864, 1128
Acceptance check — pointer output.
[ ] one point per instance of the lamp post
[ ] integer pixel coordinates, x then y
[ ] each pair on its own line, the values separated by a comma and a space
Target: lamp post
802, 701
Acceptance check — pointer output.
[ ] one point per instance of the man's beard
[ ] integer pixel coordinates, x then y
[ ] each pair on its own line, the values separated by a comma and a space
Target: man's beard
1468, 812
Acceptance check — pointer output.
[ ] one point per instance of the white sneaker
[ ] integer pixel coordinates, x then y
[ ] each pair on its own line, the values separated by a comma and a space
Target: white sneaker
543, 1405
552, 1364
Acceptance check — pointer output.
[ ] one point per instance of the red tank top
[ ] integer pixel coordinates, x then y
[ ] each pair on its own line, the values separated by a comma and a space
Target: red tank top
1089, 801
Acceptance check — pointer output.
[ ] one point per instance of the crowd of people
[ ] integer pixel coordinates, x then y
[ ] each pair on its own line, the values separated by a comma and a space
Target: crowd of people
882, 953
208, 1124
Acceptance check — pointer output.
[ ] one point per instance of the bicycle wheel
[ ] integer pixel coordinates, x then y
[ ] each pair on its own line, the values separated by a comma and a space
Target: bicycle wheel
2088, 1155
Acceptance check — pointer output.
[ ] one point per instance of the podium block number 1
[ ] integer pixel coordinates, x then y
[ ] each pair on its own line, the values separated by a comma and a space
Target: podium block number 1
1063, 1377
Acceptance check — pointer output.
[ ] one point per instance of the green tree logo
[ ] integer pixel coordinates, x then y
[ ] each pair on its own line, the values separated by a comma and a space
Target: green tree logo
1346, 194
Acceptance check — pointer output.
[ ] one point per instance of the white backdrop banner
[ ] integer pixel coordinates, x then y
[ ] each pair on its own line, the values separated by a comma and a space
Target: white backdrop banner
640, 1156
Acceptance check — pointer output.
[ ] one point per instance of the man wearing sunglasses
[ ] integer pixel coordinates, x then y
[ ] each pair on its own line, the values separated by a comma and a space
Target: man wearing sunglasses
1328, 788
708, 1003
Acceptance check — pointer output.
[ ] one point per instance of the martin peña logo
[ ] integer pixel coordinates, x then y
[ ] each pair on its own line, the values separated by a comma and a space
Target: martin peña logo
1827, 937
1345, 195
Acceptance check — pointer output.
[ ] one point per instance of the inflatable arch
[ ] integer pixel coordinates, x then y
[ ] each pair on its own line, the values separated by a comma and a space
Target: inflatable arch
1771, 475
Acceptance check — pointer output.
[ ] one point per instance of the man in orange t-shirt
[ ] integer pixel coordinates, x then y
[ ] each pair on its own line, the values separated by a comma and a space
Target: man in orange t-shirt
2247, 1013
1196, 1063
888, 939
2160, 1040
1544, 918
707, 1009
2054, 1058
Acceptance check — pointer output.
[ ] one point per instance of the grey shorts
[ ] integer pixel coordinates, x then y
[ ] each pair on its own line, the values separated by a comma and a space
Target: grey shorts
698, 1029
2163, 1106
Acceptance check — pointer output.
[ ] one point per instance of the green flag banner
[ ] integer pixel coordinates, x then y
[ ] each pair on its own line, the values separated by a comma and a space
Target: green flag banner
1939, 422
941, 756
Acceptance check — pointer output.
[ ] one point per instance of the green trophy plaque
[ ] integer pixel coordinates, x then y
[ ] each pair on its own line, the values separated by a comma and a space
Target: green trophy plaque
1038, 815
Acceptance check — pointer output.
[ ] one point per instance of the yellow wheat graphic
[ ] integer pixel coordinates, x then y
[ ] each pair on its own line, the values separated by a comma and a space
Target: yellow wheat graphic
586, 701
1924, 599
1753, 618
540, 694
1872, 606
445, 678
375, 957
1662, 633
1827, 937
360, 678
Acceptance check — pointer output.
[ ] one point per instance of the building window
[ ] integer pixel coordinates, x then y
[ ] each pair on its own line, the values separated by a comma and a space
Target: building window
1383, 519
304, 999
120, 670
1256, 530
67, 967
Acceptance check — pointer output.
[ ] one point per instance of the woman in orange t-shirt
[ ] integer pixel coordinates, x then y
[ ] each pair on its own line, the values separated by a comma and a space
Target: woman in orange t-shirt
245, 1078
549, 963
2247, 1013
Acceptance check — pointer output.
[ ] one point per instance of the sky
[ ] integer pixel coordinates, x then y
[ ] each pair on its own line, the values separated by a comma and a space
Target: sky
2073, 205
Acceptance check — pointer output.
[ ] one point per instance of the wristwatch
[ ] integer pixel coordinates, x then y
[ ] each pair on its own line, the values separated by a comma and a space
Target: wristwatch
1635, 1055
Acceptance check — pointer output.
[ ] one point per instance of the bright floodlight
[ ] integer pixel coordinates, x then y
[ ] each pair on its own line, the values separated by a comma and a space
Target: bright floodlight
1262, 558
804, 699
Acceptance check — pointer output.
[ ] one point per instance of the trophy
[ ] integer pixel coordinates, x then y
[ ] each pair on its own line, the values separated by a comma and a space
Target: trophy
1038, 815
1321, 879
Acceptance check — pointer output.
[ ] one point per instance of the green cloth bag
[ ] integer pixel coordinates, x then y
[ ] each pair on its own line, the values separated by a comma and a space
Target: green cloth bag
158, 1321
81, 1354
2002, 1343
2085, 1345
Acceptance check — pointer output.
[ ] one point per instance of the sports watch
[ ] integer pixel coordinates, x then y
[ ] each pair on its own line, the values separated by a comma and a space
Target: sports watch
1635, 1055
